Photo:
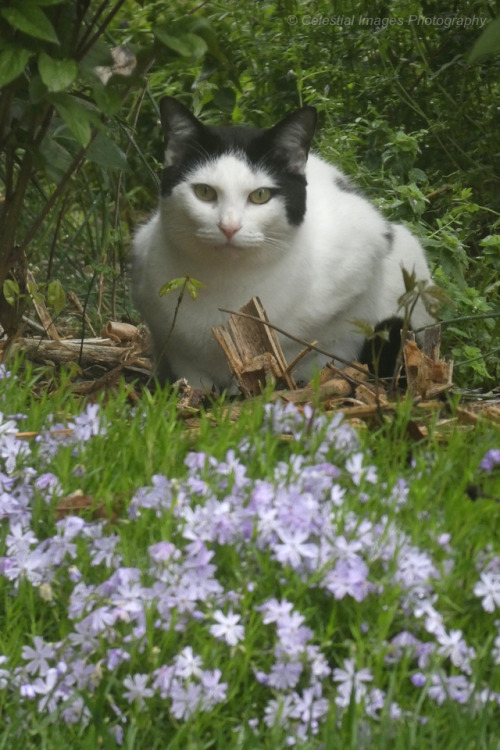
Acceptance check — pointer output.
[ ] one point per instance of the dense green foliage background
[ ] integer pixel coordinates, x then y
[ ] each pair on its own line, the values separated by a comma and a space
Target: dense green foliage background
402, 110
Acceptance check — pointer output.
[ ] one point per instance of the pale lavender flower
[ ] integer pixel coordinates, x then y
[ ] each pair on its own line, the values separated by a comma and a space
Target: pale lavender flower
284, 675
88, 424
351, 682
490, 459
19, 540
358, 472
48, 688
488, 589
453, 645
309, 706
214, 691
137, 690
38, 657
293, 548
348, 577
274, 611
455, 688
188, 664
185, 700
227, 628
163, 677
278, 711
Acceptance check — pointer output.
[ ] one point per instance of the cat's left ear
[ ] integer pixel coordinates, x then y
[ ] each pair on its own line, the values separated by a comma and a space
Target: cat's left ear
292, 136
179, 128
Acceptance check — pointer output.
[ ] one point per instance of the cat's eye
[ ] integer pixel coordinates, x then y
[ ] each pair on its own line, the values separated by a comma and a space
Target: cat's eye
261, 195
205, 192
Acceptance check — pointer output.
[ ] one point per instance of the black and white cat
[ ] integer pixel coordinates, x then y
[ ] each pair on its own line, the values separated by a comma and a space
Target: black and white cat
248, 211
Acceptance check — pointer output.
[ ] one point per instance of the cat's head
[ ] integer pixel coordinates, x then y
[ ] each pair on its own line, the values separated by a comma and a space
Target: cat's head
234, 187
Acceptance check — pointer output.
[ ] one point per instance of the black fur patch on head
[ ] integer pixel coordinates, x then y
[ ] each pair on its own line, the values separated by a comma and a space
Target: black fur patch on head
281, 150
380, 355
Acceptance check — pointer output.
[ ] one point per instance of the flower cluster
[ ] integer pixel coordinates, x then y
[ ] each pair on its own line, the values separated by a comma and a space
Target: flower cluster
312, 523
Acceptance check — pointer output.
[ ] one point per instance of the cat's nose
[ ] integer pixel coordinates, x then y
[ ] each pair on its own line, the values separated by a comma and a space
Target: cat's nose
229, 229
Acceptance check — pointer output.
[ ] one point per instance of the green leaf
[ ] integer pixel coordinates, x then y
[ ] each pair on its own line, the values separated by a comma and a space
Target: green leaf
56, 74
488, 43
192, 285
75, 115
31, 20
108, 100
105, 152
56, 296
13, 61
172, 285
187, 45
11, 291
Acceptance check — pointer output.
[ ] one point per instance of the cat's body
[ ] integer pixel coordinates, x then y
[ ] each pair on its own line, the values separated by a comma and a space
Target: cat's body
236, 215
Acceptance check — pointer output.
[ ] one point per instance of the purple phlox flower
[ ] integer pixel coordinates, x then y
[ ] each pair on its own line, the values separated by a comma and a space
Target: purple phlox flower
100, 620
227, 628
402, 643
399, 494
490, 459
309, 706
12, 449
456, 688
4, 373
103, 550
49, 686
347, 550
337, 494
453, 645
351, 682
185, 700
348, 577
274, 611
358, 472
19, 540
83, 637
115, 657
418, 679
34, 566
278, 711
294, 548
136, 689
284, 675
414, 566
292, 635
38, 656
82, 599
233, 468
188, 664
48, 484
157, 497
374, 702
163, 552
75, 711
162, 679
214, 691
488, 589
88, 424
317, 663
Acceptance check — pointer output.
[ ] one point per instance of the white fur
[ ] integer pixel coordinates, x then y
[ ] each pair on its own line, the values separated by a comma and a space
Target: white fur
313, 279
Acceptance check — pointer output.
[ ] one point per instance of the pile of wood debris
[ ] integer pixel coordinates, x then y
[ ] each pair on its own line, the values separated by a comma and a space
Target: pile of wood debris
255, 357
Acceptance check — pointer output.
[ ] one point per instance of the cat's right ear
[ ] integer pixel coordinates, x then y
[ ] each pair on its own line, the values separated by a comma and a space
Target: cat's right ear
179, 128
